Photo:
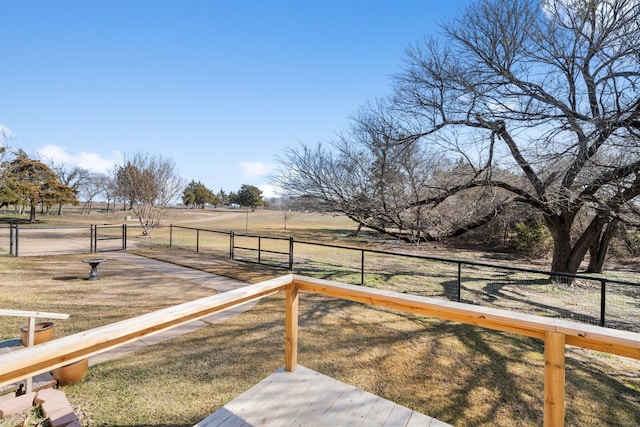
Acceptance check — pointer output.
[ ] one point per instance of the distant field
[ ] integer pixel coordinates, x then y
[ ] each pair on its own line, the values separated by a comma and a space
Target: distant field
300, 226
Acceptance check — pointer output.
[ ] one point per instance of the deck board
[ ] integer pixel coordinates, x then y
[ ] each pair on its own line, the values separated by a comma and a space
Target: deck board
298, 403
380, 411
308, 398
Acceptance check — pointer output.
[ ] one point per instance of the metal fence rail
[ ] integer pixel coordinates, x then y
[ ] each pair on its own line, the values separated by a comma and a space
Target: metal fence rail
112, 237
25, 240
36, 240
590, 299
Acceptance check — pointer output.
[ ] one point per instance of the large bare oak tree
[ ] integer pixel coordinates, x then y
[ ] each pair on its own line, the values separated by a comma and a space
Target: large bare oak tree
538, 102
549, 90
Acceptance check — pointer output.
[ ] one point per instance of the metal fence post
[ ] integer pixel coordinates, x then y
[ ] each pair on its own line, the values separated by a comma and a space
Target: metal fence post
197, 240
231, 244
124, 237
10, 239
603, 304
459, 281
91, 240
362, 268
170, 235
290, 253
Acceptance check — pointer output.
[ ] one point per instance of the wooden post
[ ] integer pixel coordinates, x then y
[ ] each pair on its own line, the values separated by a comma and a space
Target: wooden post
31, 333
554, 379
291, 328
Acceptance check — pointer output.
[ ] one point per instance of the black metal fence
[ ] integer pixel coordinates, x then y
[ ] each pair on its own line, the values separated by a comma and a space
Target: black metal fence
108, 235
594, 299
27, 240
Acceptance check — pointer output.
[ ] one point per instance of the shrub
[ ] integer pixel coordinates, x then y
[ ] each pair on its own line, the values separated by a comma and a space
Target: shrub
632, 243
532, 240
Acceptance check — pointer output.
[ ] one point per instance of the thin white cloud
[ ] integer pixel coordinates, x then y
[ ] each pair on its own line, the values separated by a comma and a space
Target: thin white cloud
91, 161
256, 169
268, 191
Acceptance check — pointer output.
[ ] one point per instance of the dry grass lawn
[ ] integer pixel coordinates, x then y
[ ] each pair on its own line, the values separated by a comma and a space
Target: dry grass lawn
59, 284
463, 375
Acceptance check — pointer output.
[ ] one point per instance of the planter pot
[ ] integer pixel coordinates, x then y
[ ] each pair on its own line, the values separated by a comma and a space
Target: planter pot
42, 333
71, 374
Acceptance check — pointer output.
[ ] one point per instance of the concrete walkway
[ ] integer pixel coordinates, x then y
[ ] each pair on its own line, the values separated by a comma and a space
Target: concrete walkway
219, 283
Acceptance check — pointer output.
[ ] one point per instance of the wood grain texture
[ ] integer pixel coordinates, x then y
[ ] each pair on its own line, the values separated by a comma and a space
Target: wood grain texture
307, 398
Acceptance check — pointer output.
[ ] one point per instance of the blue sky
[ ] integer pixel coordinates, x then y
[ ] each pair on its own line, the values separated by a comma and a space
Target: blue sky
220, 87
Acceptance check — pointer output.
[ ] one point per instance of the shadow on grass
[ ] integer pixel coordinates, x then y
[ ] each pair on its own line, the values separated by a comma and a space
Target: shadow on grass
460, 374
15, 220
438, 284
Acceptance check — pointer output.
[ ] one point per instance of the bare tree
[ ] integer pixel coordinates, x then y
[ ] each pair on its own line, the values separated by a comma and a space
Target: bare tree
381, 179
109, 188
289, 208
150, 183
6, 135
69, 175
519, 102
91, 187
548, 90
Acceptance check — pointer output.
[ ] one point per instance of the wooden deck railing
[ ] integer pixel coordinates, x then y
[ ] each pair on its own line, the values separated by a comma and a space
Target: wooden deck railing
31, 327
555, 333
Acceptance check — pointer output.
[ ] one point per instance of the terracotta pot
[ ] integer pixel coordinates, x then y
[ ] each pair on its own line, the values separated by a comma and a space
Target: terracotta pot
42, 333
71, 374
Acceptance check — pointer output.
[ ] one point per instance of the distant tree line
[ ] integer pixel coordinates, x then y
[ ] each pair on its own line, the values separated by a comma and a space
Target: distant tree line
142, 183
197, 195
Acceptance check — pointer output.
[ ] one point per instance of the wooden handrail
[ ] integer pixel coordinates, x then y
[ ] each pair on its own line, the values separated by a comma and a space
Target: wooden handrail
40, 314
622, 343
31, 326
555, 333
72, 348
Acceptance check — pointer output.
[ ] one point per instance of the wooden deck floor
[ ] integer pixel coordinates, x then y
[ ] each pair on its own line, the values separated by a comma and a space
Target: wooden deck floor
307, 398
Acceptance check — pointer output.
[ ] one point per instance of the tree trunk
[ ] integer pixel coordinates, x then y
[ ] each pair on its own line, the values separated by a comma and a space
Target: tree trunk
59, 208
599, 248
32, 213
560, 228
567, 257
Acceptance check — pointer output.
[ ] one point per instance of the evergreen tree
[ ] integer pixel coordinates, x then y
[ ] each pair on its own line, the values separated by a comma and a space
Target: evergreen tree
31, 182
